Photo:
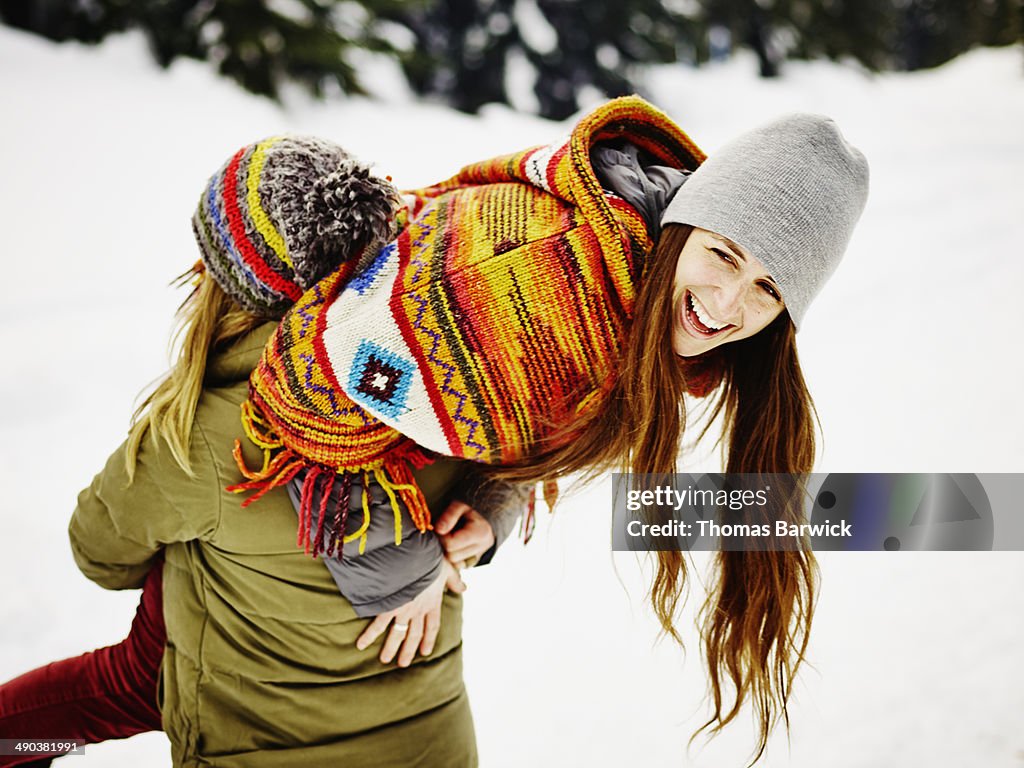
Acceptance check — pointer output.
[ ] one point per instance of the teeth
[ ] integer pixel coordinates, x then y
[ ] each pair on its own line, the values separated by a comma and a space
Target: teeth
704, 317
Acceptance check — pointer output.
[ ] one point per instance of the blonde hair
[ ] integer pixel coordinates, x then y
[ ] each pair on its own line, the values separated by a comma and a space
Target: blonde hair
208, 318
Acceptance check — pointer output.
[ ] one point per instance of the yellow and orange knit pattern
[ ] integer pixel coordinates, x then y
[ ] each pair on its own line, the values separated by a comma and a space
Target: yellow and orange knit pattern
495, 317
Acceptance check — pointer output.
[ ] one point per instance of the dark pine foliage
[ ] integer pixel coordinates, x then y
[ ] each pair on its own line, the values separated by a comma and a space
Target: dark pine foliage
259, 43
464, 52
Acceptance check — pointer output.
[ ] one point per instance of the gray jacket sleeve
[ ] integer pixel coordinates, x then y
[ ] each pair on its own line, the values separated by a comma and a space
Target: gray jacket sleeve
383, 576
500, 502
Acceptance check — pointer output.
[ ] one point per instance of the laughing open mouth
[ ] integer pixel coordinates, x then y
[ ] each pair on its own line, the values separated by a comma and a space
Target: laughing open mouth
701, 319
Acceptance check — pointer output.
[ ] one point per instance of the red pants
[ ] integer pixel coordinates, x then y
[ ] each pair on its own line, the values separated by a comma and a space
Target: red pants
110, 693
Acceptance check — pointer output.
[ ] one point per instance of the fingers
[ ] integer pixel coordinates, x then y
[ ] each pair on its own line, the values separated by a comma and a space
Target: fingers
415, 625
463, 538
374, 630
469, 562
462, 554
450, 517
453, 581
412, 642
474, 537
468, 555
393, 642
430, 630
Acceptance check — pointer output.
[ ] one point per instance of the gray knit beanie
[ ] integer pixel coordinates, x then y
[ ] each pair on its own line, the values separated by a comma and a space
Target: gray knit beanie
790, 192
282, 213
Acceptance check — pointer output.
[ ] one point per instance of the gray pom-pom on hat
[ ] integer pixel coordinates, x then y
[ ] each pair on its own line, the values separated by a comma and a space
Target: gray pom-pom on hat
283, 213
790, 192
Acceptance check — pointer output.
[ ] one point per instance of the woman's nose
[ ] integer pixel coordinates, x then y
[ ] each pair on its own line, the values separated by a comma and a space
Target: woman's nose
732, 298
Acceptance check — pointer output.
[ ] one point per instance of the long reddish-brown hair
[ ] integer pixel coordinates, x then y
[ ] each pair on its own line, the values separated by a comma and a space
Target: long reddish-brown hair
756, 619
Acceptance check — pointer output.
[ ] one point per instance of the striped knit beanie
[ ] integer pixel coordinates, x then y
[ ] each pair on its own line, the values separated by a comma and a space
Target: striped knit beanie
282, 213
790, 192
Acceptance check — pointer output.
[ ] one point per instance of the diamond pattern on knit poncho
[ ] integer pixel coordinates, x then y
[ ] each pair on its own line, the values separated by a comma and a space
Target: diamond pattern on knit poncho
496, 316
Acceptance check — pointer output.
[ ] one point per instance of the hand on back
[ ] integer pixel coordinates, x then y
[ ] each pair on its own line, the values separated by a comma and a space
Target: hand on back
465, 535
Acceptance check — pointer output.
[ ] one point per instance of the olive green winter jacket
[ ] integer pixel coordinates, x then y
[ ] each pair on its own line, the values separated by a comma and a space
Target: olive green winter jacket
261, 668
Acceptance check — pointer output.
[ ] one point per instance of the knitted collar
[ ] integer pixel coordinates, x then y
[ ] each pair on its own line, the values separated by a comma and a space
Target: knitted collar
497, 315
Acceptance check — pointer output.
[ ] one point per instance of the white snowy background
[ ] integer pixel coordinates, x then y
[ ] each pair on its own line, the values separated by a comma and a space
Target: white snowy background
912, 352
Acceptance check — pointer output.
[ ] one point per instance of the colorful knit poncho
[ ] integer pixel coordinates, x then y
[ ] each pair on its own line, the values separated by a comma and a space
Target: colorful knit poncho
497, 315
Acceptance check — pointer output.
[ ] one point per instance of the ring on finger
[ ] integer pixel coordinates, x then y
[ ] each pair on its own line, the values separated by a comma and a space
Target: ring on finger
400, 627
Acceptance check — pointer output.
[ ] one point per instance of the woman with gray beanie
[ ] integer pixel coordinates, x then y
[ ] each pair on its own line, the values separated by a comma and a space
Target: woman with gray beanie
747, 242
539, 314
743, 244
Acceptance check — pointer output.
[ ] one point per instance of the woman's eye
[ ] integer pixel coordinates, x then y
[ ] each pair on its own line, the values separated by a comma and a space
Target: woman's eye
770, 290
724, 256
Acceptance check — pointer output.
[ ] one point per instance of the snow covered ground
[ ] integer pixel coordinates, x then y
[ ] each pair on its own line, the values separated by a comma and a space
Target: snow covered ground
910, 353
